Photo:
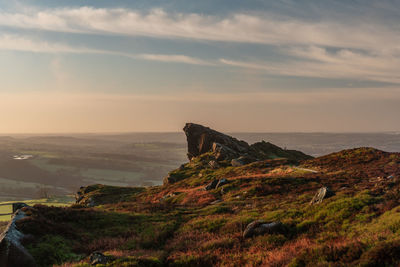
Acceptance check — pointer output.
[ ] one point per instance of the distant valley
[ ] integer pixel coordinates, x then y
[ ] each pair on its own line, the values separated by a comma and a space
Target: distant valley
60, 164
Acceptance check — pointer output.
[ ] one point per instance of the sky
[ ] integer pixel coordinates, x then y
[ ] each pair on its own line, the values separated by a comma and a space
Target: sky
71, 66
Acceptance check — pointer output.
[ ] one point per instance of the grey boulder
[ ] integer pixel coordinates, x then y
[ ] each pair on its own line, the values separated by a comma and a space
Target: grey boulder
258, 227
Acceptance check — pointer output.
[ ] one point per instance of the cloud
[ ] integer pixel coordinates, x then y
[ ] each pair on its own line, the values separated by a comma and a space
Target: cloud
340, 49
262, 28
317, 61
174, 58
21, 43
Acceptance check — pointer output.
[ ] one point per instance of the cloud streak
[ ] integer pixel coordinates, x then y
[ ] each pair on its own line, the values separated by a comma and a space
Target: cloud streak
265, 29
20, 43
319, 62
361, 51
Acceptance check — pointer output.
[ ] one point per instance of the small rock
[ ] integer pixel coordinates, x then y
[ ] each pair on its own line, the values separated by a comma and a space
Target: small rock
98, 258
260, 228
211, 185
323, 192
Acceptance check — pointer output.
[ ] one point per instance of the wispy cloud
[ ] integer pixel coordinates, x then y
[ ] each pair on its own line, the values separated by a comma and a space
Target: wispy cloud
174, 58
21, 43
348, 48
319, 62
266, 28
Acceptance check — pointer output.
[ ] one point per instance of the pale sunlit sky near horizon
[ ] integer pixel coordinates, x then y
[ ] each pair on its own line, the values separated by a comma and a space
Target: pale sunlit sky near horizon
248, 66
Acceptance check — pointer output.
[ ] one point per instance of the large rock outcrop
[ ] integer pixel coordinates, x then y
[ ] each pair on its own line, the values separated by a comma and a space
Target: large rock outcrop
201, 139
223, 150
12, 252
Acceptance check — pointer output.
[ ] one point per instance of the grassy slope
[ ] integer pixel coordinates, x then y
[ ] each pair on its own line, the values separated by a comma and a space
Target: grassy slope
360, 225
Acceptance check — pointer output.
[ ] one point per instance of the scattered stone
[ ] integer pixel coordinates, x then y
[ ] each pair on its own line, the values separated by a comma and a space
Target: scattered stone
211, 185
99, 258
260, 228
12, 252
221, 182
18, 205
213, 164
322, 193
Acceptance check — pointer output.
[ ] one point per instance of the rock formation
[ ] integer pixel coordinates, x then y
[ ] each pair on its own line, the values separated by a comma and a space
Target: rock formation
201, 139
12, 252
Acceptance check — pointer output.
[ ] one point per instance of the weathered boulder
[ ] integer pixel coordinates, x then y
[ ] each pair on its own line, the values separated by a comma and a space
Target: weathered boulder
12, 252
260, 228
99, 258
322, 193
200, 140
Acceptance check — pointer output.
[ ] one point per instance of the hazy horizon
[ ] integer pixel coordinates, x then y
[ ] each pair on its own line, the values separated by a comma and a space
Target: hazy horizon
262, 66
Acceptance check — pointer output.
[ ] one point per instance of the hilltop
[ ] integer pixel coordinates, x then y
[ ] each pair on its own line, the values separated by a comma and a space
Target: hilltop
231, 204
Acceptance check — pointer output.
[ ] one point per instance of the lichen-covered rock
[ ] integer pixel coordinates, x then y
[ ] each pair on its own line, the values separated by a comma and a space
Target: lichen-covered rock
12, 252
322, 193
260, 228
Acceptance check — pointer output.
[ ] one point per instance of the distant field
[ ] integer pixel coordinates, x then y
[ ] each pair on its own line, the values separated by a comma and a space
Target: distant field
55, 201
